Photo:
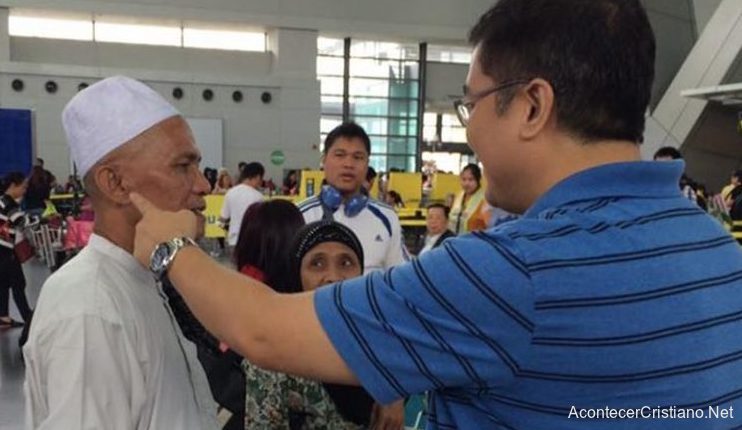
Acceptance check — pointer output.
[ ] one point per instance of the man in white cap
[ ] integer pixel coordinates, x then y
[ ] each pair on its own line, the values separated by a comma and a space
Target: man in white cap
104, 350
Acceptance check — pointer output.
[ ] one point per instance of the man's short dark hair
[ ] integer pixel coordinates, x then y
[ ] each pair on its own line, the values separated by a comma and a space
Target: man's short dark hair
598, 55
348, 130
668, 152
738, 174
370, 173
252, 170
446, 209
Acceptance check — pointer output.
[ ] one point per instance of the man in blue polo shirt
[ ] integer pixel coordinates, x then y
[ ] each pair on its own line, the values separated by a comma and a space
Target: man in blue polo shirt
612, 303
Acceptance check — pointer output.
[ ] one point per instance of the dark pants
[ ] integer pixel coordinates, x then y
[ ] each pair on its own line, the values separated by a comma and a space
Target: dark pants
12, 279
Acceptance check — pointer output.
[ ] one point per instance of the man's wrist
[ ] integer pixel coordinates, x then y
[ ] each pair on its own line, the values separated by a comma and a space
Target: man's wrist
180, 256
165, 253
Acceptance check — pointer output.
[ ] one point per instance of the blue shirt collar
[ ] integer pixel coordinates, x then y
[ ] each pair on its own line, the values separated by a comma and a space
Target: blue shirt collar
631, 179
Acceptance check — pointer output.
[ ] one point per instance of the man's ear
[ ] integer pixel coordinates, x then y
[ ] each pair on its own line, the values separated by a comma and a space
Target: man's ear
539, 96
111, 185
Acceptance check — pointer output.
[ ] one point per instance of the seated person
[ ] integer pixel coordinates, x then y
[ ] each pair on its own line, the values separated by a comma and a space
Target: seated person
394, 200
436, 223
324, 252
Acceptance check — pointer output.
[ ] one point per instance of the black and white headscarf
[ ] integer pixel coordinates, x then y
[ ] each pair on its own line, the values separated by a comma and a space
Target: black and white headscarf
318, 232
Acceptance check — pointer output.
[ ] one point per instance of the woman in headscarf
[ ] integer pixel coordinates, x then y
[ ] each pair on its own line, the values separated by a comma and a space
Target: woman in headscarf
262, 252
323, 252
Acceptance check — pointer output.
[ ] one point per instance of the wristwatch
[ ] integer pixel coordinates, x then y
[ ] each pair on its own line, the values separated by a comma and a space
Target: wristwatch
164, 255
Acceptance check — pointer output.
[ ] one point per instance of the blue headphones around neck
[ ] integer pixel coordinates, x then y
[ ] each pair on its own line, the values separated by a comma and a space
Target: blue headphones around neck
331, 200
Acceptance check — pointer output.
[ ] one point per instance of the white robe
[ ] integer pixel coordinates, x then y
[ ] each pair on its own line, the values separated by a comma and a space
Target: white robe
105, 351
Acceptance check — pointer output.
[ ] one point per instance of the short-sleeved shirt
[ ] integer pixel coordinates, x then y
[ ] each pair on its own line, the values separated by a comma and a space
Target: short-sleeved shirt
377, 227
236, 202
613, 290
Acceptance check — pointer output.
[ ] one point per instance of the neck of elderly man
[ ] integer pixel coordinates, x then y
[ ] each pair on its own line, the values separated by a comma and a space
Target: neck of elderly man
160, 163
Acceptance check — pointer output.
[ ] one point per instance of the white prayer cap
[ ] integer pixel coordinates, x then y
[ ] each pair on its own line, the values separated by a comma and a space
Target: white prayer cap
107, 115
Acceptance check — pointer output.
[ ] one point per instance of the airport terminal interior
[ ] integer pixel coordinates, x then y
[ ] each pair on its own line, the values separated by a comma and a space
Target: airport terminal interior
266, 81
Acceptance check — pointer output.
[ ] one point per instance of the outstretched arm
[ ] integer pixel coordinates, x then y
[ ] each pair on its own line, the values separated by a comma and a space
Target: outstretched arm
269, 329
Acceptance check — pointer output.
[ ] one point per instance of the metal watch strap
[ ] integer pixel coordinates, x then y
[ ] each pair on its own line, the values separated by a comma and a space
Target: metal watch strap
178, 243
182, 242
174, 245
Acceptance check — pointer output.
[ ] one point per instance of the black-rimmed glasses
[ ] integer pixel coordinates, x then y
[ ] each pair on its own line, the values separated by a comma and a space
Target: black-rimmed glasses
465, 104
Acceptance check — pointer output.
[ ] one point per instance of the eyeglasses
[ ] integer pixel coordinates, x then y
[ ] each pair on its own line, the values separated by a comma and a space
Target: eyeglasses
466, 104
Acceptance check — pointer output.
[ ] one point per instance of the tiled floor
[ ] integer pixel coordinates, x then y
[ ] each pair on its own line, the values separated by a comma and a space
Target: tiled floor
11, 362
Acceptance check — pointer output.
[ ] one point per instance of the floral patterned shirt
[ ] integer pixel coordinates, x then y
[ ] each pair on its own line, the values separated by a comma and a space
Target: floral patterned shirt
282, 402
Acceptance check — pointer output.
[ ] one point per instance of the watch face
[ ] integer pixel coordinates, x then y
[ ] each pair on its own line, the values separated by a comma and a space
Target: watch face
160, 256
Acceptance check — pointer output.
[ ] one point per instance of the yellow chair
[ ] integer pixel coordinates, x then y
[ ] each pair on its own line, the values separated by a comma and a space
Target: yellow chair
443, 186
408, 185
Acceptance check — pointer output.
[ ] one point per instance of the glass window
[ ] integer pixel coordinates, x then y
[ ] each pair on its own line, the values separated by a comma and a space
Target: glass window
383, 50
222, 39
403, 127
140, 34
329, 46
133, 30
402, 162
430, 127
332, 105
330, 66
382, 68
451, 129
453, 134
331, 86
369, 87
385, 126
378, 162
329, 122
444, 161
401, 145
20, 24
379, 144
383, 88
449, 54
383, 106
373, 125
430, 134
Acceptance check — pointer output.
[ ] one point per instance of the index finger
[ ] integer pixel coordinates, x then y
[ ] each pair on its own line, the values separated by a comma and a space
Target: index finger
141, 203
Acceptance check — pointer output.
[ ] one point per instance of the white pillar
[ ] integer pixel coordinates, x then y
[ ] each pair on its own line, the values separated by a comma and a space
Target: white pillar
4, 36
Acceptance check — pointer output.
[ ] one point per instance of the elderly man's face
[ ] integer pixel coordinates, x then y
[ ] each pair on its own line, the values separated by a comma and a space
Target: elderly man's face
166, 171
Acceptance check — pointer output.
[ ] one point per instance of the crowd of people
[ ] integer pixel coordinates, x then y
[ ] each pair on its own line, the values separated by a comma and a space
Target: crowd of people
522, 302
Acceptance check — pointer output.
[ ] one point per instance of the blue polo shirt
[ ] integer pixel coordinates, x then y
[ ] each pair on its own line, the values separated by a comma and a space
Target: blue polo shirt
613, 303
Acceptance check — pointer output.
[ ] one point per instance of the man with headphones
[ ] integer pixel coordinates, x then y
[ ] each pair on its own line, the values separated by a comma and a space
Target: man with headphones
345, 160
343, 199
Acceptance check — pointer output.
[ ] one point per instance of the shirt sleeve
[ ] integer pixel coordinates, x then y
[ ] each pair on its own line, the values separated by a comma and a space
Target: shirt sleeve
397, 253
443, 320
82, 373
